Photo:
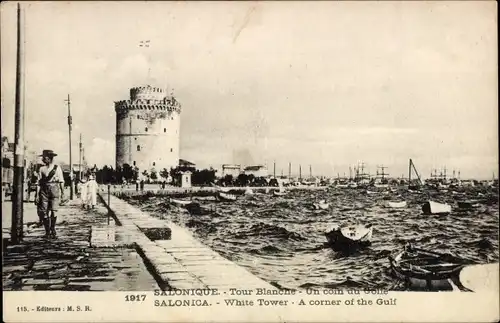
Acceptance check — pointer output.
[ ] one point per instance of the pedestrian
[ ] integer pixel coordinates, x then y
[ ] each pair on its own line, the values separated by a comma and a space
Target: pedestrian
92, 191
83, 191
32, 183
50, 191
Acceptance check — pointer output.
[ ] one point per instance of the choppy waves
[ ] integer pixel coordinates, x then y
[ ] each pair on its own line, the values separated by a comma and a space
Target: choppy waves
281, 239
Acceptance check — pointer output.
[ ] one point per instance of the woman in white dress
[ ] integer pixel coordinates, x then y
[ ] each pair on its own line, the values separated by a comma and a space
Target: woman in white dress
91, 192
83, 191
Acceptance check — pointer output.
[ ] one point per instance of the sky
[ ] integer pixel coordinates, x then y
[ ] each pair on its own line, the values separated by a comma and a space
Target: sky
326, 84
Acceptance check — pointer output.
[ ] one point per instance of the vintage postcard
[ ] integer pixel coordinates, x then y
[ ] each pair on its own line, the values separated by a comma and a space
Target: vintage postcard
250, 161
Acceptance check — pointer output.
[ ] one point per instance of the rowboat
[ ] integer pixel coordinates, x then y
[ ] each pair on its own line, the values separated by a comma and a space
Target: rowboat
279, 193
196, 209
423, 269
467, 204
180, 202
431, 207
349, 236
226, 197
321, 205
396, 205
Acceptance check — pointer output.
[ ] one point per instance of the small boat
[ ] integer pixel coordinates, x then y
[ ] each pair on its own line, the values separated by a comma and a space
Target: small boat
321, 205
352, 185
423, 269
396, 205
466, 205
349, 236
196, 209
431, 207
220, 188
180, 202
205, 198
279, 193
226, 197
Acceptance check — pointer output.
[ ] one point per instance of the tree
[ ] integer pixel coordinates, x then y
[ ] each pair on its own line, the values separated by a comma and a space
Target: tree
164, 173
203, 177
127, 172
153, 175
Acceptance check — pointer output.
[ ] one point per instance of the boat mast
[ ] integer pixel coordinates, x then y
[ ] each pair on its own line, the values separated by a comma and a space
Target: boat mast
409, 171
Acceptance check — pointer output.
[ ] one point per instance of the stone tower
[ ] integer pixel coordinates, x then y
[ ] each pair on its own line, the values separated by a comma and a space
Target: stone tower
147, 129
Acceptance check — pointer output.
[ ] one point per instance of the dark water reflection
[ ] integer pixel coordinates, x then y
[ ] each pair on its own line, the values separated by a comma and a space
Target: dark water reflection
281, 239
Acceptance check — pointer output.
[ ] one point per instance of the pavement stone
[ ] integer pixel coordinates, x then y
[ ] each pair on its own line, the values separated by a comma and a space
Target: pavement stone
69, 262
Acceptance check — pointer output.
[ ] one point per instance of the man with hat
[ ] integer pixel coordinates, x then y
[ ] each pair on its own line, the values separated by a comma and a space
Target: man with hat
50, 191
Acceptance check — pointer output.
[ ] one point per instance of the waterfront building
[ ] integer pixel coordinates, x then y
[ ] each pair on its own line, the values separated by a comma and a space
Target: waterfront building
148, 129
231, 169
257, 171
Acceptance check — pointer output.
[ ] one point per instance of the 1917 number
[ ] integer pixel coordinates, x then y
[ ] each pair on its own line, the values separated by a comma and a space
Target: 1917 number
135, 298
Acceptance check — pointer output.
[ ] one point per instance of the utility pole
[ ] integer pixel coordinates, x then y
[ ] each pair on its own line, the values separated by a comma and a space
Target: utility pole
18, 180
80, 159
310, 171
70, 122
274, 169
289, 170
300, 172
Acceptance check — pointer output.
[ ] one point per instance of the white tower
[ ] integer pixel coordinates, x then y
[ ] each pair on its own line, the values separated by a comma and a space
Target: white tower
147, 129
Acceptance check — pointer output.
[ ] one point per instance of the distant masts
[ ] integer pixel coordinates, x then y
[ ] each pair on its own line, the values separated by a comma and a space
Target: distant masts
382, 173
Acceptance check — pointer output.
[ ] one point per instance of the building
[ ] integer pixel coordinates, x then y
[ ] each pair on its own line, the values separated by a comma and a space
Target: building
186, 163
257, 171
147, 129
233, 170
185, 179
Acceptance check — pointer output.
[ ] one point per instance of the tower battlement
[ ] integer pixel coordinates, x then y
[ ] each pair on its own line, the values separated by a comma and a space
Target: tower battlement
147, 92
167, 104
148, 98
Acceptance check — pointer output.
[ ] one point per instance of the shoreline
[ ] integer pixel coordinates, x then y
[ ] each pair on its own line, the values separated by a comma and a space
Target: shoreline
130, 191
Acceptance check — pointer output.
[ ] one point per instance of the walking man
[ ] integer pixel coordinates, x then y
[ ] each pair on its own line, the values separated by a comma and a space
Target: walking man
49, 192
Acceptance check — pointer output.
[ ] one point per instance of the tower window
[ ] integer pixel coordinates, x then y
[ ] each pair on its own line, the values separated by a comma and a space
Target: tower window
171, 149
138, 147
164, 129
146, 129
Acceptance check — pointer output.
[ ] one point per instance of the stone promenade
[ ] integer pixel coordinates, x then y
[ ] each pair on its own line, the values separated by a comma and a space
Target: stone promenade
91, 253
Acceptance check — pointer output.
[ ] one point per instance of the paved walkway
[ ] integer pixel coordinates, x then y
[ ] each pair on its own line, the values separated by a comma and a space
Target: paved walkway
181, 261
89, 254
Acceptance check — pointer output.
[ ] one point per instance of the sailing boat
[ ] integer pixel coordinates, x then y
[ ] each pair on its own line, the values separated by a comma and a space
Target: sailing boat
381, 181
417, 184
